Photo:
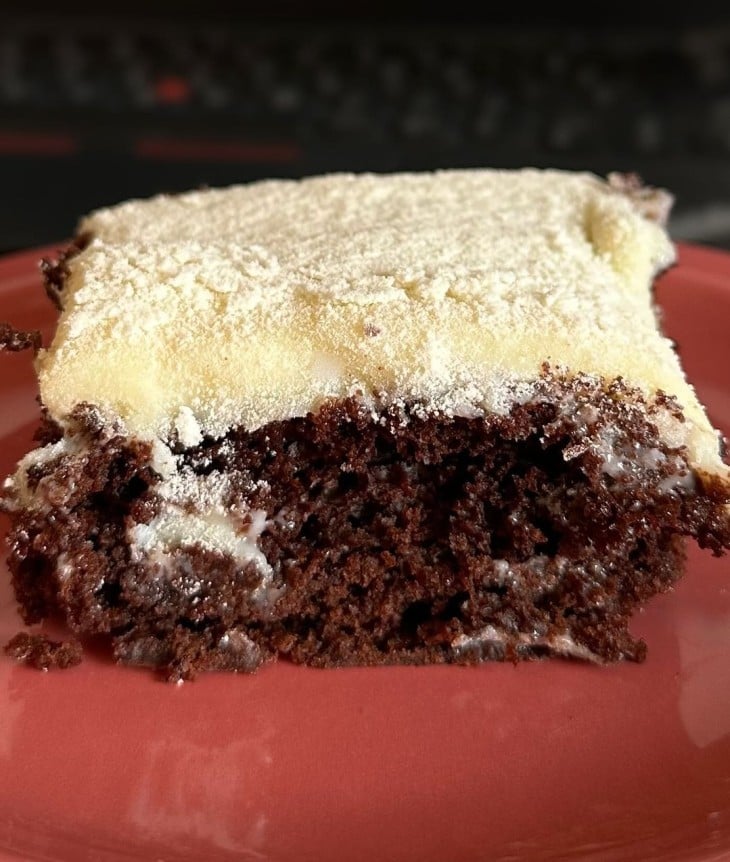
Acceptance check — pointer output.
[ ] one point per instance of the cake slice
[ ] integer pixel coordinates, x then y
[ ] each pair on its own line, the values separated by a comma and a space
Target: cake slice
362, 419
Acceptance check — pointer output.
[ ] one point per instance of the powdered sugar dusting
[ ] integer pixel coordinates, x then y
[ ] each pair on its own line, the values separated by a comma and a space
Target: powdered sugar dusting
188, 315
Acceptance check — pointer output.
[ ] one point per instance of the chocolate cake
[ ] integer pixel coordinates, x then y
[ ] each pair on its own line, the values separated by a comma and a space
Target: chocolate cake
362, 419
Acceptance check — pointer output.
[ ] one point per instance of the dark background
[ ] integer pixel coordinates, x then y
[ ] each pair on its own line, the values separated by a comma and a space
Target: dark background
97, 107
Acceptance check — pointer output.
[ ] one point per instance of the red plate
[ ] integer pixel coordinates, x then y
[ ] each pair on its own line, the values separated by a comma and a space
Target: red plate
551, 760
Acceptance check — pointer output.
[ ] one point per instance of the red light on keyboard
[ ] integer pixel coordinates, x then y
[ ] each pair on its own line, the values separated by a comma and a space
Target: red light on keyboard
172, 90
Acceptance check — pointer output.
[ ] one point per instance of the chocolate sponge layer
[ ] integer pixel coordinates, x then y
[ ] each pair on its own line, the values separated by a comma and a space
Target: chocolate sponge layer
393, 536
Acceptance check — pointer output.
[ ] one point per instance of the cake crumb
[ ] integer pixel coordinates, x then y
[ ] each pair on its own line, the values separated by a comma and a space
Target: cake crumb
14, 340
41, 652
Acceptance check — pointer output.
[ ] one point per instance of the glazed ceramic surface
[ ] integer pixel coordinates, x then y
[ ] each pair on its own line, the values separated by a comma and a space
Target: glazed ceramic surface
541, 761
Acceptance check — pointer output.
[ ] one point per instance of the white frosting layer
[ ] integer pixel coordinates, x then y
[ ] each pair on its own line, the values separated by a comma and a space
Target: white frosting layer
252, 304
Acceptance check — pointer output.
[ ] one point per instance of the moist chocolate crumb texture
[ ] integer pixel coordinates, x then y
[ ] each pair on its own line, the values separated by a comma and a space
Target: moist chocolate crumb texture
361, 419
39, 651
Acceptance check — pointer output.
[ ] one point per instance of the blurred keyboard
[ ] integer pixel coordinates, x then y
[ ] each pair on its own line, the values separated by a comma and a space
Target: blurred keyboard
95, 111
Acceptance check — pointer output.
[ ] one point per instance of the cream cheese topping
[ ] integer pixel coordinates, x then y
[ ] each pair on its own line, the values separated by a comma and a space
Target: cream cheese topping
188, 315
